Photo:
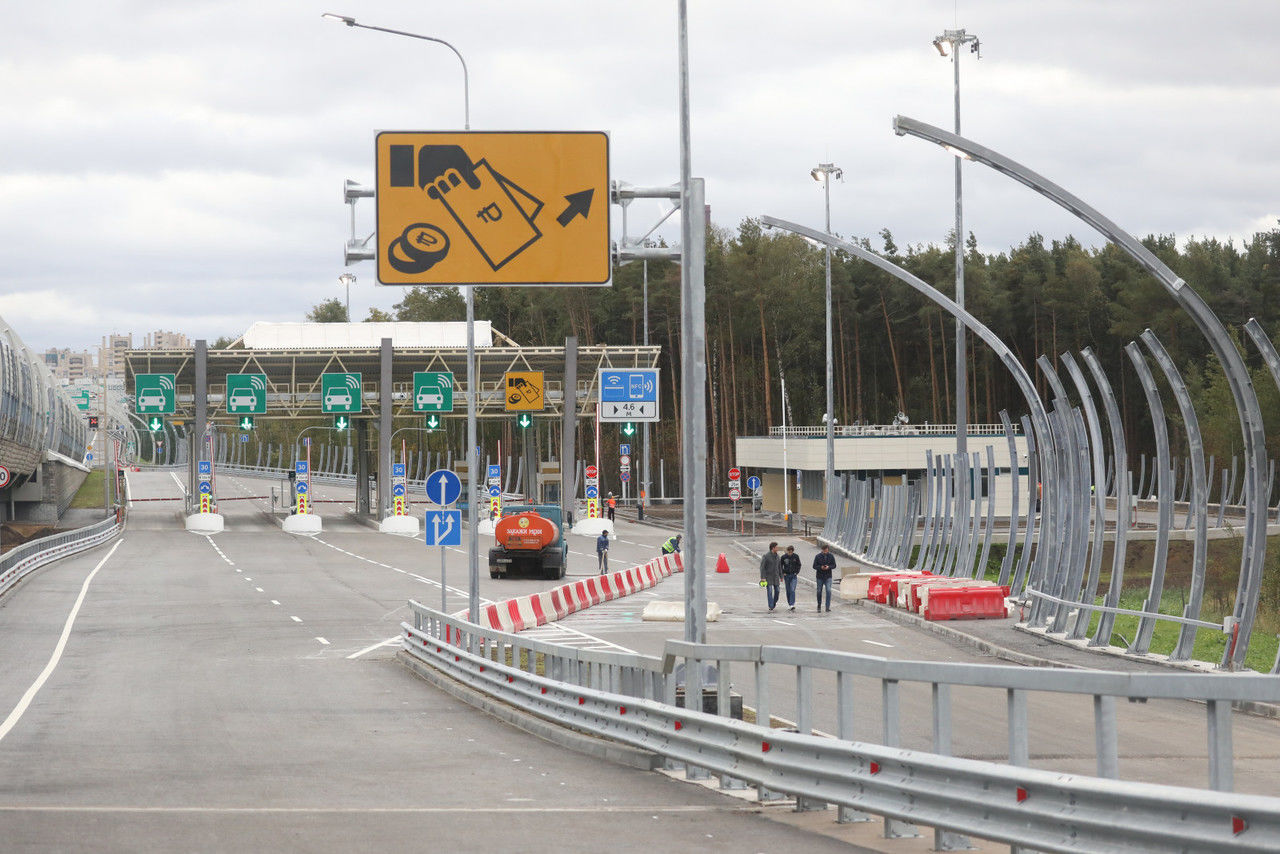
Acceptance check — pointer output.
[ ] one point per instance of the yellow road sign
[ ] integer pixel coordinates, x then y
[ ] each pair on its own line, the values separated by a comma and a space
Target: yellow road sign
483, 208
524, 391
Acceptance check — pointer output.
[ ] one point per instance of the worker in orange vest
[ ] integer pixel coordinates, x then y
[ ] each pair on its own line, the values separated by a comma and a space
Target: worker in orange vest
613, 505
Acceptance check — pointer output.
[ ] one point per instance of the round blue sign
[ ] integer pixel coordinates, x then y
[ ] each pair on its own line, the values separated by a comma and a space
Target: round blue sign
753, 482
443, 487
494, 491
398, 490
626, 476
206, 488
301, 487
593, 492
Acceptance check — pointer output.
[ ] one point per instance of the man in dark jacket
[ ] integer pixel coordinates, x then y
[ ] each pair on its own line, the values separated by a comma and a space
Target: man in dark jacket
771, 574
790, 565
823, 562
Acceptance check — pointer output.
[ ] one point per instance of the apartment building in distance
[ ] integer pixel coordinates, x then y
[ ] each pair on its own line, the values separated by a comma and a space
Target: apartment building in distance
68, 366
162, 340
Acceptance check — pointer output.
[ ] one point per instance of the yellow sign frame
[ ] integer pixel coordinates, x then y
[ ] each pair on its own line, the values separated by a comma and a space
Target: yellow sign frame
524, 391
493, 208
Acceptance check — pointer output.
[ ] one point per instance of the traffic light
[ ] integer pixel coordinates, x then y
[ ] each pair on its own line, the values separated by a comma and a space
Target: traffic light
93, 422
155, 424
246, 422
341, 422
525, 421
629, 429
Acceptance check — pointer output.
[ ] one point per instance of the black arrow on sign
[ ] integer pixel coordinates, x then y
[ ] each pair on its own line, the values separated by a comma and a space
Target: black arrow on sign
579, 203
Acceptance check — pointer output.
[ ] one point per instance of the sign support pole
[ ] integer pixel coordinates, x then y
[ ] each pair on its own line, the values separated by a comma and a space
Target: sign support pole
473, 465
202, 407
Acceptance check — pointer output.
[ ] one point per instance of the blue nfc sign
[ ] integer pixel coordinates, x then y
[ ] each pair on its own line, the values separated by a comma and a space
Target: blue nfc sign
205, 467
635, 384
397, 469
593, 492
301, 487
301, 467
443, 487
753, 482
625, 450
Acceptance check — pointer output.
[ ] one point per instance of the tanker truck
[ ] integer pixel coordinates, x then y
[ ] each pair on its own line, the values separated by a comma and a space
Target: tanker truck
530, 540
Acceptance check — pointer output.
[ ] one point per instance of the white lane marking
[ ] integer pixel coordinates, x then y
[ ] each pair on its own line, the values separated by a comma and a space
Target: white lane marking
259, 589
18, 710
295, 619
322, 640
378, 645
275, 601
877, 643
429, 581
174, 475
572, 637
229, 561
783, 622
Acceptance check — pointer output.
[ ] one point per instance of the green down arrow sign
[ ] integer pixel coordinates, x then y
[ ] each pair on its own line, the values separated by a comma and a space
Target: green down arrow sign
524, 421
432, 422
629, 429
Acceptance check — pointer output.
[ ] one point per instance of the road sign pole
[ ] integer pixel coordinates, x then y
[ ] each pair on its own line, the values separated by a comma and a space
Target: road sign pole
473, 464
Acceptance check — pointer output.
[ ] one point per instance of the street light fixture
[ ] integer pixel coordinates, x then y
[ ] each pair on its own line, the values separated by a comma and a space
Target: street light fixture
348, 280
824, 173
473, 454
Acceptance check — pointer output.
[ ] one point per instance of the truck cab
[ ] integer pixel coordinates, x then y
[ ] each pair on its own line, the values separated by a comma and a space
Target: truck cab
531, 540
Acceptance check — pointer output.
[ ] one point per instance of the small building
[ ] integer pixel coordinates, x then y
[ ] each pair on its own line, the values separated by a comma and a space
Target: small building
893, 453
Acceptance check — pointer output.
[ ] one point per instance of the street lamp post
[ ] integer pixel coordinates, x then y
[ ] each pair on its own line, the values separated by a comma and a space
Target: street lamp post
473, 454
824, 172
950, 42
348, 280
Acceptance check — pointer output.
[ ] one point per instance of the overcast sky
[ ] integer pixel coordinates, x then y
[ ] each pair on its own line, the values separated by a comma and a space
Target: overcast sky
179, 165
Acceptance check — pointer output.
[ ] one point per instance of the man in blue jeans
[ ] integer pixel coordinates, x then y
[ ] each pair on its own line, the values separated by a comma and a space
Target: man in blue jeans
823, 562
790, 564
771, 574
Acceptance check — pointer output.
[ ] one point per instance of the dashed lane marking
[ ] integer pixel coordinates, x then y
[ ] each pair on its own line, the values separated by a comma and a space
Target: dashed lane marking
322, 640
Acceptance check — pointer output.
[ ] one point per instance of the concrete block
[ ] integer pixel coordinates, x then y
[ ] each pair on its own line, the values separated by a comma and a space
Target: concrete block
402, 525
302, 523
205, 523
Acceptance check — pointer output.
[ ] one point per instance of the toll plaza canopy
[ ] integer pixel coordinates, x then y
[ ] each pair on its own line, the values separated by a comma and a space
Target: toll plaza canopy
294, 355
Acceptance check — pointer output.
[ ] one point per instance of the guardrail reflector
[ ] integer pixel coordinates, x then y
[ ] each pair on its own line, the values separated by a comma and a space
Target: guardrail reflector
765, 747
679, 726
1238, 825
1022, 794
875, 768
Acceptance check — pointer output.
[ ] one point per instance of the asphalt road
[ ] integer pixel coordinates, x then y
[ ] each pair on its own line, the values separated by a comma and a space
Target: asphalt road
231, 693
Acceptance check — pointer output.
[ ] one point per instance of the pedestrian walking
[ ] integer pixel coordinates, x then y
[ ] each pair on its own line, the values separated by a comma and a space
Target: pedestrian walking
613, 506
672, 545
790, 565
823, 562
771, 574
602, 551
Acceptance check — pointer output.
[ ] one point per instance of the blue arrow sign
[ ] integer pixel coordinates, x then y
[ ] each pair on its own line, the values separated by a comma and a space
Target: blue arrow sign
753, 482
301, 487
443, 487
88, 458
397, 469
302, 467
206, 488
495, 491
204, 467
593, 492
398, 490
443, 527
625, 450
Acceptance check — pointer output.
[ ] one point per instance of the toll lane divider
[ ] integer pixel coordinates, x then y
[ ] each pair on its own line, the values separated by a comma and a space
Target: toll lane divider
536, 609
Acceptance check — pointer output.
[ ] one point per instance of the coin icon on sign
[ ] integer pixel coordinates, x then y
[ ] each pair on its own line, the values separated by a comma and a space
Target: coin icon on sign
418, 248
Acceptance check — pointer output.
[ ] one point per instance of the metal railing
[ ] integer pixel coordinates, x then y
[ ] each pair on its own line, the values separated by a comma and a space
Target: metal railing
631, 698
896, 430
21, 561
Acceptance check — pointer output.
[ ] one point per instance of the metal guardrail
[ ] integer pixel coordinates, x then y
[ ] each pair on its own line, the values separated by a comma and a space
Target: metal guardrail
21, 561
894, 430
630, 698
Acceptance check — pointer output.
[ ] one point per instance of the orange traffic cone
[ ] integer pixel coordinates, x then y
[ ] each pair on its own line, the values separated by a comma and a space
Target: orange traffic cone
722, 563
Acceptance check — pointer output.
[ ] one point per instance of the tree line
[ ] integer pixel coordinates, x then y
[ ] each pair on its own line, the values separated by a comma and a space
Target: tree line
893, 349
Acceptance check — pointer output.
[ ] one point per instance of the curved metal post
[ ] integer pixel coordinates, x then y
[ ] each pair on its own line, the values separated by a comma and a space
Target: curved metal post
1146, 625
1006, 565
926, 508
1097, 491
1236, 372
981, 567
1120, 458
1198, 511
1033, 508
